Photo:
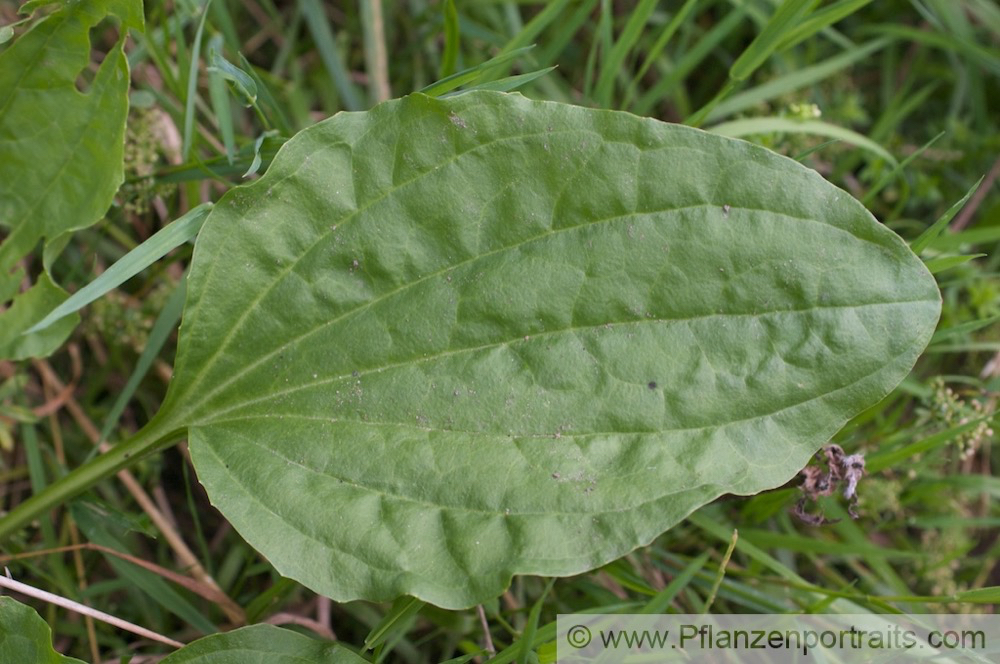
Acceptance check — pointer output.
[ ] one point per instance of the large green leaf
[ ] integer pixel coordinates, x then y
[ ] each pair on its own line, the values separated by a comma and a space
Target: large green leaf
62, 152
443, 342
25, 638
262, 644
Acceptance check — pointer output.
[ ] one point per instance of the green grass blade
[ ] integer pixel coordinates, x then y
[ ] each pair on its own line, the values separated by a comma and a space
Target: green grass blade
192, 85
928, 236
822, 18
471, 74
702, 48
507, 84
767, 125
403, 609
134, 262
657, 48
531, 627
449, 59
611, 67
942, 263
778, 28
796, 80
326, 44
895, 172
165, 323
882, 460
661, 601
963, 329
220, 100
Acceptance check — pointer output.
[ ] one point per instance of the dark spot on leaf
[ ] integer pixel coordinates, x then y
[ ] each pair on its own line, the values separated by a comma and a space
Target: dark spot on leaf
652, 385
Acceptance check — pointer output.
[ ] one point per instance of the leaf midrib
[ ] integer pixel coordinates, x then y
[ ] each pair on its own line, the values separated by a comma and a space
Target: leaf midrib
520, 338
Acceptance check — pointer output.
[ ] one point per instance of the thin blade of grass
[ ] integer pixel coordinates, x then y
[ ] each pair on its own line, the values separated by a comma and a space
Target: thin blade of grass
398, 617
942, 263
781, 24
657, 48
661, 601
326, 44
882, 460
505, 84
134, 262
471, 74
449, 58
963, 329
531, 627
819, 20
768, 125
165, 323
192, 85
929, 235
796, 80
220, 101
611, 67
895, 172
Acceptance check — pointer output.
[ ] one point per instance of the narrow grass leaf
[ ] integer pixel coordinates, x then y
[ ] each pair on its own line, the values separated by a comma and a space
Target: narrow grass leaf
449, 58
171, 236
691, 58
781, 24
471, 74
816, 148
191, 95
220, 101
326, 44
929, 235
165, 324
658, 46
398, 618
963, 329
612, 64
527, 639
896, 171
97, 528
769, 125
507, 84
662, 600
794, 80
942, 263
819, 20
881, 460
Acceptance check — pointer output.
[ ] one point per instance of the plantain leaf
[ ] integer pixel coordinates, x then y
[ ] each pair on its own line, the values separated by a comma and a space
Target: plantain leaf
24, 636
62, 149
443, 342
262, 644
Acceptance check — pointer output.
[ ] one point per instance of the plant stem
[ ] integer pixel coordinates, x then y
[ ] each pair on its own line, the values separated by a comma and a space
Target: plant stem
146, 441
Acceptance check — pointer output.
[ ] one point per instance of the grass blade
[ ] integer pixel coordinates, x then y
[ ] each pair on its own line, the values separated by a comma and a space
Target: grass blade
612, 65
778, 28
449, 59
471, 74
326, 44
928, 236
192, 84
164, 325
767, 125
134, 262
796, 80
